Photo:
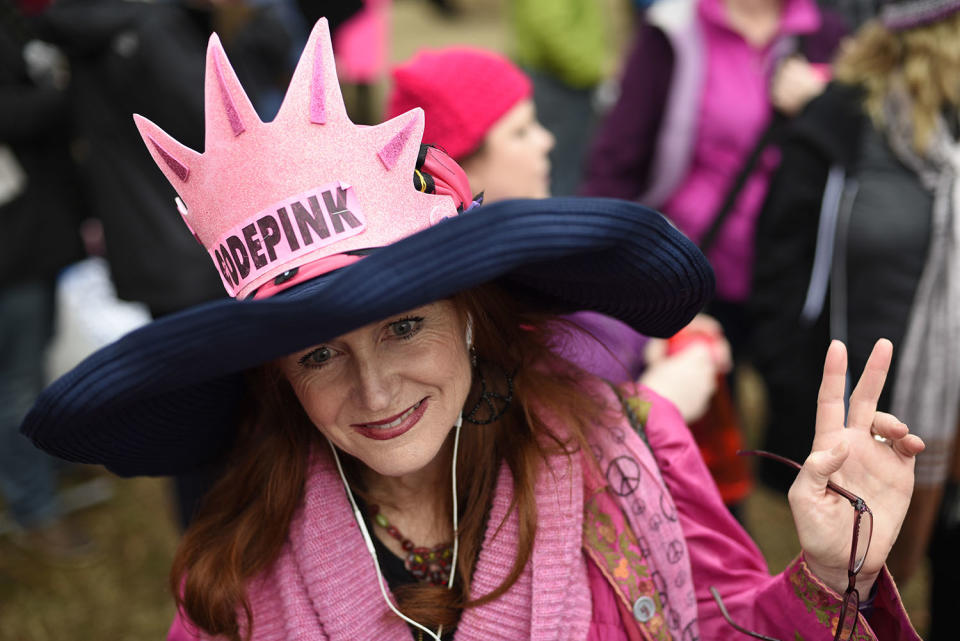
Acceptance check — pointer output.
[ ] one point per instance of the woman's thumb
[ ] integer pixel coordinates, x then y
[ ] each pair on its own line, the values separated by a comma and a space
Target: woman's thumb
820, 465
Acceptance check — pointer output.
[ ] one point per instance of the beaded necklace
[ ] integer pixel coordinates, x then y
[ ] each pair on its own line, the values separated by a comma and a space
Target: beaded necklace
425, 564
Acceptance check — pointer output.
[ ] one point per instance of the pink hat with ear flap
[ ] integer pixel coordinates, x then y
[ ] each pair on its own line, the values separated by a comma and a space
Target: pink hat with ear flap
464, 92
309, 188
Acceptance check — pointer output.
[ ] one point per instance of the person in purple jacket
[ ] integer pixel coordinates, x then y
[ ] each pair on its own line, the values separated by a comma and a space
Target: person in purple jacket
405, 453
699, 89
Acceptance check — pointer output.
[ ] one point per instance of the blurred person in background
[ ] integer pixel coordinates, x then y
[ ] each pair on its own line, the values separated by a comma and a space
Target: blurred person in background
121, 54
479, 108
860, 239
117, 49
566, 47
41, 206
362, 45
698, 95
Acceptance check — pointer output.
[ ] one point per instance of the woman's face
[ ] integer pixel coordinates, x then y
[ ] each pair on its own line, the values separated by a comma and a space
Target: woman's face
388, 393
514, 160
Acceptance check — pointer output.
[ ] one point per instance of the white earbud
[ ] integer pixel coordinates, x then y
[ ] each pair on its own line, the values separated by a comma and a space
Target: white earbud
469, 333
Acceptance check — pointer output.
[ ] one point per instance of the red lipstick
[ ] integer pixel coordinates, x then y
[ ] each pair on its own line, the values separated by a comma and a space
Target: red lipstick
393, 426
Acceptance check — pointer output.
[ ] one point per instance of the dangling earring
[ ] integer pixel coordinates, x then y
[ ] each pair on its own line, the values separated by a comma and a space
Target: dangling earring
491, 404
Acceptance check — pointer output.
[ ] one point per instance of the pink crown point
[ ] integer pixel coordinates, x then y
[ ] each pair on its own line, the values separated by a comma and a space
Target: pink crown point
180, 170
392, 150
318, 101
265, 198
314, 90
173, 159
226, 105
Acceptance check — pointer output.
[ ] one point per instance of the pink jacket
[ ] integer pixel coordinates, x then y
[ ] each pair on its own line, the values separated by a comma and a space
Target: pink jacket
648, 524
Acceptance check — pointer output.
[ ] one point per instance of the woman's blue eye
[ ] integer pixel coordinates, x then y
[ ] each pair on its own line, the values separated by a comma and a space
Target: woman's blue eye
406, 327
317, 357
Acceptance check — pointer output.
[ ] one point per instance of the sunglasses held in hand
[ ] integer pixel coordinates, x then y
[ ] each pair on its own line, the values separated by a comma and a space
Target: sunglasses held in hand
862, 532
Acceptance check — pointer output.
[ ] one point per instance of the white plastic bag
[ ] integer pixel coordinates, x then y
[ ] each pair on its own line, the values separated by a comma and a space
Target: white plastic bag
89, 315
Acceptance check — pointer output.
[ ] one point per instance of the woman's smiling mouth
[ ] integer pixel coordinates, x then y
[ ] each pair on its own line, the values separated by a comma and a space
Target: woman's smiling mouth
394, 426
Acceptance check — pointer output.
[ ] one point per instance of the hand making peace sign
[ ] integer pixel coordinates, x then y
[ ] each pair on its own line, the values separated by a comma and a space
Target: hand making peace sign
881, 473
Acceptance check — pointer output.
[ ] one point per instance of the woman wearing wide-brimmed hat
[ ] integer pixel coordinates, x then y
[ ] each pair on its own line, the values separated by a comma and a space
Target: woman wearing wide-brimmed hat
404, 454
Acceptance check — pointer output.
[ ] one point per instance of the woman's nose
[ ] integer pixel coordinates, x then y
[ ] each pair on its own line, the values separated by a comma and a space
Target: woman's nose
375, 387
549, 141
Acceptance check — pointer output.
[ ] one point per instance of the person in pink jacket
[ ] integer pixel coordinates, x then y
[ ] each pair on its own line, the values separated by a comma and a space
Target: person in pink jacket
404, 453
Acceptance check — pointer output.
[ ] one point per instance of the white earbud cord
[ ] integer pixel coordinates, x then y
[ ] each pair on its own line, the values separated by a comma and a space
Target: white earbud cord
369, 541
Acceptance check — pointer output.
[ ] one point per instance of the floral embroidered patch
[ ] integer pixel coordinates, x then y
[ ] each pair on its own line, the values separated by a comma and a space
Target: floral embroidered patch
639, 407
619, 556
819, 602
637, 411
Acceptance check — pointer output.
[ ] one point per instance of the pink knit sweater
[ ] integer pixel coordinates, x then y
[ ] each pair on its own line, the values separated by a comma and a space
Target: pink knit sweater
324, 586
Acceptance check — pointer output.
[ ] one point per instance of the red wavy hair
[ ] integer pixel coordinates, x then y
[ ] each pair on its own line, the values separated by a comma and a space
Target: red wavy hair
244, 519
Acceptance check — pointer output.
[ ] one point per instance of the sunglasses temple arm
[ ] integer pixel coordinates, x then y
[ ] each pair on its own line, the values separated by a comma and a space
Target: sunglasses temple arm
726, 615
782, 459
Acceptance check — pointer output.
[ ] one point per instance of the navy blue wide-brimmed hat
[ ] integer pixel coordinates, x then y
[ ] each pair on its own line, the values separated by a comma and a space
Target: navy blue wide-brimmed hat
316, 229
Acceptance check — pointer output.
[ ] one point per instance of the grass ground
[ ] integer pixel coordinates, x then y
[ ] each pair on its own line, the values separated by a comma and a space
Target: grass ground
120, 593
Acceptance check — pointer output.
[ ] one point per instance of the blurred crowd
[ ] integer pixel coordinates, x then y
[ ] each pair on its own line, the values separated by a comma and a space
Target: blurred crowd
810, 150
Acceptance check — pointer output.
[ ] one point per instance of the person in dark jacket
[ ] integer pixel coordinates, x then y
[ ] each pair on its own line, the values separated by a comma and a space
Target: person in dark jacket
148, 58
40, 211
859, 239
120, 53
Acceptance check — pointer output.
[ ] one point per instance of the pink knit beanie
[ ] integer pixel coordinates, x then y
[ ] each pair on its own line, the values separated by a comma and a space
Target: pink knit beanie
463, 92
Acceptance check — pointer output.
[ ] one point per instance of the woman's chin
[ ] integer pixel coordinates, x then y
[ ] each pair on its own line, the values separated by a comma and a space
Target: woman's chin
533, 191
542, 188
399, 462
396, 468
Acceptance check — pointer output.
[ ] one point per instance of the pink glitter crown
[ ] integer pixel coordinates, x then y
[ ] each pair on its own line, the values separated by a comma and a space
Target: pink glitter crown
308, 187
